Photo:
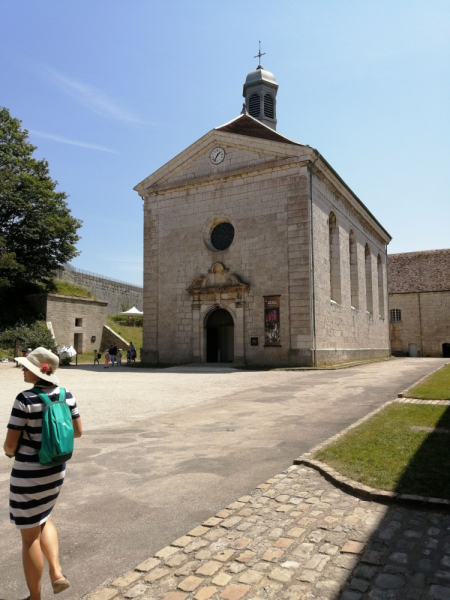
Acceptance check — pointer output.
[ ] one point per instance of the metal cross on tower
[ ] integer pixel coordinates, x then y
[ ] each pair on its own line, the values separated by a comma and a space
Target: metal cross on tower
259, 56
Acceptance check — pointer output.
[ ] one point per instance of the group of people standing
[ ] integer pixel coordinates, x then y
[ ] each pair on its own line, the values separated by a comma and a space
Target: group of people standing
114, 355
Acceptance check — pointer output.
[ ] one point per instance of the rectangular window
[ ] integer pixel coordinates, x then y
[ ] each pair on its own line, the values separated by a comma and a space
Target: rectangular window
396, 315
78, 322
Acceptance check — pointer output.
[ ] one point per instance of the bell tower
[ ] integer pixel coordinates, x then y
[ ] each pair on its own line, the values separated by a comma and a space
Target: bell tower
260, 93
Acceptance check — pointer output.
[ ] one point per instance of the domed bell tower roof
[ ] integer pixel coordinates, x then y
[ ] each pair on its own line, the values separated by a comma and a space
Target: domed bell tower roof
260, 93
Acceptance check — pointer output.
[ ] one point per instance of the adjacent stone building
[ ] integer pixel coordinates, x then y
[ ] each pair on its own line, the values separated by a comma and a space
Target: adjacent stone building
257, 252
419, 303
74, 321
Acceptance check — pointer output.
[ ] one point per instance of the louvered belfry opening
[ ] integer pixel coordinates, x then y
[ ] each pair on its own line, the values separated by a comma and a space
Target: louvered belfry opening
254, 105
269, 106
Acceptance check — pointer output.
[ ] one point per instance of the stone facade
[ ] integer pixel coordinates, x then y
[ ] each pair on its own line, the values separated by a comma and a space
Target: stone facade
73, 320
419, 303
278, 195
115, 293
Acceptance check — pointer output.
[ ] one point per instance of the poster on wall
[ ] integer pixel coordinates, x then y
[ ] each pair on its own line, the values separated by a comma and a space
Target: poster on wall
272, 321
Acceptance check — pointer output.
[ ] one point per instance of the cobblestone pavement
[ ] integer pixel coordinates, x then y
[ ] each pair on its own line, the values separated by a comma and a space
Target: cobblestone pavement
294, 537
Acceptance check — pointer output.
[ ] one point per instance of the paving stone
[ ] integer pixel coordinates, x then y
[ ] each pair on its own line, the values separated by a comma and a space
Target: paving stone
175, 596
214, 534
182, 541
399, 557
330, 549
246, 556
347, 561
328, 585
222, 579
245, 499
208, 569
195, 545
205, 593
285, 508
347, 595
199, 531
296, 532
166, 552
176, 560
389, 582
201, 555
307, 575
136, 591
373, 557
231, 522
272, 554
317, 562
359, 584
365, 572
353, 547
245, 512
126, 579
236, 567
104, 594
190, 583
235, 505
274, 534
280, 574
224, 555
240, 543
235, 591
187, 569
148, 565
303, 550
211, 522
250, 577
156, 574
439, 592
284, 543
316, 536
290, 564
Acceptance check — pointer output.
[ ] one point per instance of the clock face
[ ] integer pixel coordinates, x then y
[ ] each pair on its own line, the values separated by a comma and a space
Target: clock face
217, 155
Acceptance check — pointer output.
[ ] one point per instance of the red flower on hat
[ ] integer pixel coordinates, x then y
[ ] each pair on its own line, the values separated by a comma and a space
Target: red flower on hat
46, 369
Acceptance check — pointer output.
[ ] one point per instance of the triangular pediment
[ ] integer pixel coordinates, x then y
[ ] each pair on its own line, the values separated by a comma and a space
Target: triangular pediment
241, 150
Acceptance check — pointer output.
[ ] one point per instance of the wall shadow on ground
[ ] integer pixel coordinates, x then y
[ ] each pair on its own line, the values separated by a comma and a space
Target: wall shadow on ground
406, 554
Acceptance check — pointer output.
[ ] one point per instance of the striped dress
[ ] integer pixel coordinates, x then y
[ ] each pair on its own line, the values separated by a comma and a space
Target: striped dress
34, 488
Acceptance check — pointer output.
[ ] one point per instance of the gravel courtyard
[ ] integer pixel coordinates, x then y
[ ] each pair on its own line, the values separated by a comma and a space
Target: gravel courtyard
165, 449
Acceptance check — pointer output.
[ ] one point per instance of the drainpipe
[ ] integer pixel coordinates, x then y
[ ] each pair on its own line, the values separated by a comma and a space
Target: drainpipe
420, 325
312, 269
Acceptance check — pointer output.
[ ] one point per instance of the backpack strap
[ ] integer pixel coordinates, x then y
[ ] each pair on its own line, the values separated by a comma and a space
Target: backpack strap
45, 399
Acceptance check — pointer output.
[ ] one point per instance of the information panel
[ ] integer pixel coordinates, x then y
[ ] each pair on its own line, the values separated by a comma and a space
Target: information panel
272, 321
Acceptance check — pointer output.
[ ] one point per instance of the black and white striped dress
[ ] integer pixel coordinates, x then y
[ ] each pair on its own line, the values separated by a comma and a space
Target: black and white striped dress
34, 488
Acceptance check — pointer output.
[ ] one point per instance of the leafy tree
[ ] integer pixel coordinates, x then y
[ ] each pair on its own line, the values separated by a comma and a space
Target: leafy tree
37, 231
29, 336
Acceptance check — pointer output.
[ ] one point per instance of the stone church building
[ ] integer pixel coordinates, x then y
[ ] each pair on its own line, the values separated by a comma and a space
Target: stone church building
256, 252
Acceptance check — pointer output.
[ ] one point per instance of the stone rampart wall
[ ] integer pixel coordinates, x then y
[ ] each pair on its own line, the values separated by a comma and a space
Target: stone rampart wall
107, 290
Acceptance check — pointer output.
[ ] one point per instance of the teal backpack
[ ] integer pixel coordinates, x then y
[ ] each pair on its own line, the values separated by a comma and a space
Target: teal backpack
57, 429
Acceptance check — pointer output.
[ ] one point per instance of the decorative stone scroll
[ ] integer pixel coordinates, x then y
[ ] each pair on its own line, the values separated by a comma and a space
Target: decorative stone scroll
215, 282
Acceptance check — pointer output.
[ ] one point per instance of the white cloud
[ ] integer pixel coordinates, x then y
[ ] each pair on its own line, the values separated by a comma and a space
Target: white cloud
64, 140
93, 98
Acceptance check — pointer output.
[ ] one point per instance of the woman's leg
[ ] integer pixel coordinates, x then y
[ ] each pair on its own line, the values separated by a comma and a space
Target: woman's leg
33, 561
50, 548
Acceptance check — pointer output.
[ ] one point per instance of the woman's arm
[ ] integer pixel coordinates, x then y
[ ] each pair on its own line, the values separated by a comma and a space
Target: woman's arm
77, 427
12, 439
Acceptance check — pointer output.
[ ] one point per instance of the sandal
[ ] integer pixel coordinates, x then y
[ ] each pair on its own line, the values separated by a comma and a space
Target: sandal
60, 585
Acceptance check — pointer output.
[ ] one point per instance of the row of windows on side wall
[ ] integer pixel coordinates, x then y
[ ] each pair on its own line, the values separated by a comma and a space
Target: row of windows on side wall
335, 270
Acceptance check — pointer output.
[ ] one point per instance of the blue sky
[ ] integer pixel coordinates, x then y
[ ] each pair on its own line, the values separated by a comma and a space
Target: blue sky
110, 90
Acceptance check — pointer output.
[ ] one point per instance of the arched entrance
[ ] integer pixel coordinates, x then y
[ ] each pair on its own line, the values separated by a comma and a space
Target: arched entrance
446, 350
220, 337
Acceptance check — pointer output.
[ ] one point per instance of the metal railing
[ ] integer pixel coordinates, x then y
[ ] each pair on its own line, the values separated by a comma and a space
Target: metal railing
97, 276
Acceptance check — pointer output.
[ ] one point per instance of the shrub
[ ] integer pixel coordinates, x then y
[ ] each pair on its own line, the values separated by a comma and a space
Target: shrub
29, 336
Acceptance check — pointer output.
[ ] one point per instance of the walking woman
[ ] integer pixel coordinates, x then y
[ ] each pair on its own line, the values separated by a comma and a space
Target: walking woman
34, 488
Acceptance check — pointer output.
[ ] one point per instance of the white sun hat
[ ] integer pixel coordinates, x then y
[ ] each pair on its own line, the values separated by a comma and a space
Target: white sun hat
42, 363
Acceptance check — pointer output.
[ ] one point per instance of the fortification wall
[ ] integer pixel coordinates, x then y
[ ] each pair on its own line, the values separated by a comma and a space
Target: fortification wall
116, 293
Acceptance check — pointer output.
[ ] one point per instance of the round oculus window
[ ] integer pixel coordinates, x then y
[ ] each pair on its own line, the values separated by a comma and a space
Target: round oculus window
222, 236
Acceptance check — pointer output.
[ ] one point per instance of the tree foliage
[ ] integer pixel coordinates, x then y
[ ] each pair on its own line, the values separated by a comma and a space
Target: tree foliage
37, 231
29, 336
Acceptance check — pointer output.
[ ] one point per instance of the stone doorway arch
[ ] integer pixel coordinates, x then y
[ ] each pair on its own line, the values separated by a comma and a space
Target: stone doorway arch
219, 336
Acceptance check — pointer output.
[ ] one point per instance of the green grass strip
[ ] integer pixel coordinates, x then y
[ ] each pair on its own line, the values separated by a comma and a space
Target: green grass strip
434, 387
385, 453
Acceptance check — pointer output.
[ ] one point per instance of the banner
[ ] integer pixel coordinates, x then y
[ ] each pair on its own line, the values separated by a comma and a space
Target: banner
272, 321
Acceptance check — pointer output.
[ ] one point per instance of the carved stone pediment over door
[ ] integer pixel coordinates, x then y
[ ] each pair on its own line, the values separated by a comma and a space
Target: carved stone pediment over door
217, 281
219, 288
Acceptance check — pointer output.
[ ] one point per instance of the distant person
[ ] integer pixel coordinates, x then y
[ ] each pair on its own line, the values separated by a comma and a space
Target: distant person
113, 353
96, 357
35, 487
119, 357
128, 355
133, 352
106, 360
